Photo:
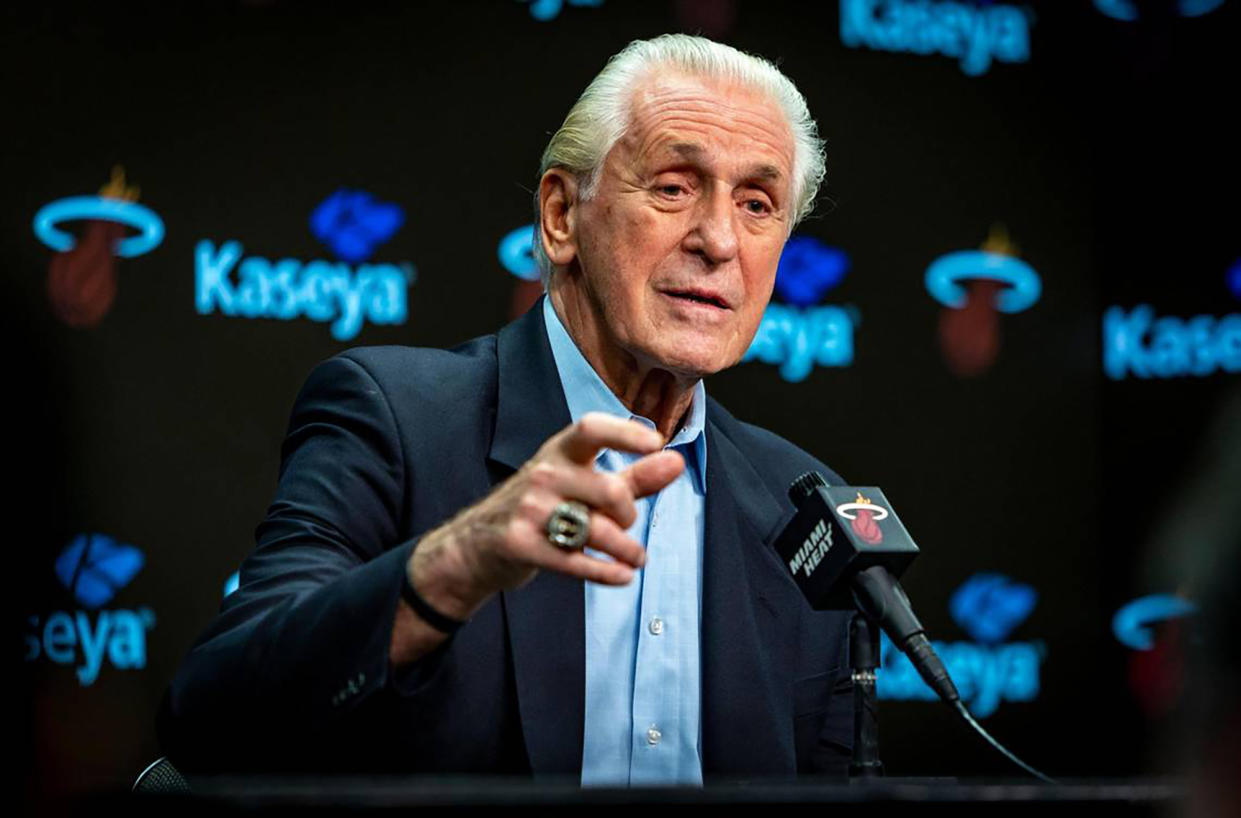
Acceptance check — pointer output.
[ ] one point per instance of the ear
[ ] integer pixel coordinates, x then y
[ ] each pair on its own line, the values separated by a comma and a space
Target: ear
558, 216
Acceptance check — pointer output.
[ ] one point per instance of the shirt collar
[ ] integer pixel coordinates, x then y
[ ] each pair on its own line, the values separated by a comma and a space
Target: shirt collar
585, 391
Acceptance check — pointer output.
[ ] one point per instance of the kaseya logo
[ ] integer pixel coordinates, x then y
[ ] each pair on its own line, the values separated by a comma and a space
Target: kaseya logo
1140, 343
93, 568
801, 333
974, 286
81, 277
352, 224
974, 33
987, 670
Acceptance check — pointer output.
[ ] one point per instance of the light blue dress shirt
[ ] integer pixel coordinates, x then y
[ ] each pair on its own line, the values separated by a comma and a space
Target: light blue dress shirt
643, 685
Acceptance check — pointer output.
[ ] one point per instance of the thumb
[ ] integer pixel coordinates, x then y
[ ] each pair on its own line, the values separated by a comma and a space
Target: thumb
653, 472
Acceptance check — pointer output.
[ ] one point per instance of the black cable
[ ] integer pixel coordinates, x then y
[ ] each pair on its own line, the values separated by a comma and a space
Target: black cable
960, 707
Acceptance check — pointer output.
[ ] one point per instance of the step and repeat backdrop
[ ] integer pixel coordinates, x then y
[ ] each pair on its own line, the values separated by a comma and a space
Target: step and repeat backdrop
1017, 309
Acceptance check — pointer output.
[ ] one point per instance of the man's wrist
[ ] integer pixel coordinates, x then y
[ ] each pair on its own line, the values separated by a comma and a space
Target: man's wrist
435, 575
426, 611
440, 576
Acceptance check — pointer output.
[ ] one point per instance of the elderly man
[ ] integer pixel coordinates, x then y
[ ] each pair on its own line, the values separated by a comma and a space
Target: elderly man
547, 551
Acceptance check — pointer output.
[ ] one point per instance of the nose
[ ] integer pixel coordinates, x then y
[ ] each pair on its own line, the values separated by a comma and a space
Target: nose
713, 234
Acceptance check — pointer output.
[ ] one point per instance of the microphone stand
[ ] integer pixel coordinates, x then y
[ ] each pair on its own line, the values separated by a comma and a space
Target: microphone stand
864, 660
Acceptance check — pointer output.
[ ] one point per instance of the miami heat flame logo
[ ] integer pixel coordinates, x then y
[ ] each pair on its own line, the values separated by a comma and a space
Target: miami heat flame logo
81, 281
975, 286
516, 253
864, 517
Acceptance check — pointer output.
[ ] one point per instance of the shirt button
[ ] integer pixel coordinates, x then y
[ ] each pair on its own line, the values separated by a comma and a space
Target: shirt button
653, 735
657, 626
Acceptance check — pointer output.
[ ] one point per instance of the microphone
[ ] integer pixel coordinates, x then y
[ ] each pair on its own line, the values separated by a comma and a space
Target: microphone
845, 548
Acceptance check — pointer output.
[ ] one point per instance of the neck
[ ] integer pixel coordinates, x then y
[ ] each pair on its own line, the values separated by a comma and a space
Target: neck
646, 390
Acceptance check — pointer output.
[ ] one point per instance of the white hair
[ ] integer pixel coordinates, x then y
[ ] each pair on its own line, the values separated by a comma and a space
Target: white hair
602, 113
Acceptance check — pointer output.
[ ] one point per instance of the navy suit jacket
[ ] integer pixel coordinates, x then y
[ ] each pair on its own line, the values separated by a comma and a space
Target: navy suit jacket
386, 443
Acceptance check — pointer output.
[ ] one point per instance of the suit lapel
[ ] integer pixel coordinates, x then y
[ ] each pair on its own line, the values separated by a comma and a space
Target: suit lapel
545, 619
746, 618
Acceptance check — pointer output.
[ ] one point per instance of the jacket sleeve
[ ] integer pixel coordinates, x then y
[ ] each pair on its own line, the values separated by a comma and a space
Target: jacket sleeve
303, 642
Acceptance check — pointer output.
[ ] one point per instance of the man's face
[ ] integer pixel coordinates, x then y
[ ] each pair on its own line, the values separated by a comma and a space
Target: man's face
678, 247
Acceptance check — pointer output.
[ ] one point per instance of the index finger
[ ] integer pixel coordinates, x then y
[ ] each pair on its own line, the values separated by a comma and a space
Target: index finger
596, 430
653, 472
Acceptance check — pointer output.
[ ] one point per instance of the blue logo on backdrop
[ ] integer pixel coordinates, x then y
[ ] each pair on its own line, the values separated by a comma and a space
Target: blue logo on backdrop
1132, 623
988, 670
94, 568
1234, 278
544, 10
516, 252
973, 33
1140, 344
989, 606
352, 224
798, 335
1127, 10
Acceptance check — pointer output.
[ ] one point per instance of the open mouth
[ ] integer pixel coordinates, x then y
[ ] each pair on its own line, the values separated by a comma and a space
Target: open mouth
697, 297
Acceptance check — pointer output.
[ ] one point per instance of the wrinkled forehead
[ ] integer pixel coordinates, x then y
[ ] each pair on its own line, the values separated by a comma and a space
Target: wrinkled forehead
676, 115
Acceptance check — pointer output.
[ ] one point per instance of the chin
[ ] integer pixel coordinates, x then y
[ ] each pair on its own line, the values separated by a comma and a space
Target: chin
692, 361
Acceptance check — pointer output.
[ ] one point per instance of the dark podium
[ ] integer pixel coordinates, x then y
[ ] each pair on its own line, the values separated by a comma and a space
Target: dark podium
912, 796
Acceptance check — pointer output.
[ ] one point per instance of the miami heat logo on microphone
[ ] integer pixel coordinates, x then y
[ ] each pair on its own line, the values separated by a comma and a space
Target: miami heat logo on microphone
864, 517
